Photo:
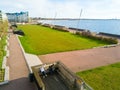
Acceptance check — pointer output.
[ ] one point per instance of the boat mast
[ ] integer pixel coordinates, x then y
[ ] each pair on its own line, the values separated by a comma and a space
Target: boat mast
79, 19
54, 18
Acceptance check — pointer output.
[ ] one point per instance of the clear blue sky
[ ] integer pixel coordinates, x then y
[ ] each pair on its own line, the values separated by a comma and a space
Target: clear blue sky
64, 8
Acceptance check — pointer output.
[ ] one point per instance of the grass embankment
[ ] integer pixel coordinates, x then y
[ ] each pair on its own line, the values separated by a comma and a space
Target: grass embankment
2, 51
103, 78
3, 29
43, 40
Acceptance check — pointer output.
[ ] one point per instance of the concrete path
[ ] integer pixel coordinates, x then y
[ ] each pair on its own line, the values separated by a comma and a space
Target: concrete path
31, 59
18, 68
85, 59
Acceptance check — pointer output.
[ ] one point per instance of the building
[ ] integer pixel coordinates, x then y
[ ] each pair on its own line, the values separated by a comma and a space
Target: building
3, 17
0, 16
21, 17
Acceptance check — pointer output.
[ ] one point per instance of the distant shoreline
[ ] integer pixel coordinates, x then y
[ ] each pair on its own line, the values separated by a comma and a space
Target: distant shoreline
73, 19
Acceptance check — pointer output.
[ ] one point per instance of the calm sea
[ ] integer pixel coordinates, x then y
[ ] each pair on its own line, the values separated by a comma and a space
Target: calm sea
111, 26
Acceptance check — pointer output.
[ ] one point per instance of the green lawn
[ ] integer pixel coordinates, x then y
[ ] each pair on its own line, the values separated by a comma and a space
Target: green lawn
42, 40
103, 78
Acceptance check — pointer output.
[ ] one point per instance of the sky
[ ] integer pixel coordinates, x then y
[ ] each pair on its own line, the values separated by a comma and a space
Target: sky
93, 9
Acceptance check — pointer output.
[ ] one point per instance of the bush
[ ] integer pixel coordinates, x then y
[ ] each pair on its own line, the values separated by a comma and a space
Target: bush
77, 33
60, 29
104, 39
19, 32
111, 40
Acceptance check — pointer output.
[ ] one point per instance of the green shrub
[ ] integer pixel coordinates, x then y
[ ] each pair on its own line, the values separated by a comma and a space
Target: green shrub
111, 40
77, 33
60, 29
87, 34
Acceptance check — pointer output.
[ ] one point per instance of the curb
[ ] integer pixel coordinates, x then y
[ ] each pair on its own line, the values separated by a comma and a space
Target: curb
108, 46
26, 58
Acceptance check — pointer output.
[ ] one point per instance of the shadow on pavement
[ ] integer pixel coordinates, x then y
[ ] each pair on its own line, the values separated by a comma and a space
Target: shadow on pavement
19, 84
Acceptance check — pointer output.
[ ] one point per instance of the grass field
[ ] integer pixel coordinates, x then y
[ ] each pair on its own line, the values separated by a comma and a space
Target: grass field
42, 40
103, 78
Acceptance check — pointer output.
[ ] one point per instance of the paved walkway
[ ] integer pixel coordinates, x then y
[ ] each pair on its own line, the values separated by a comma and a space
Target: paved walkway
85, 59
18, 68
31, 59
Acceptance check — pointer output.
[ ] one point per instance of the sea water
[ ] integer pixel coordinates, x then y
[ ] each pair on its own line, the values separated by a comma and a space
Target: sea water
111, 26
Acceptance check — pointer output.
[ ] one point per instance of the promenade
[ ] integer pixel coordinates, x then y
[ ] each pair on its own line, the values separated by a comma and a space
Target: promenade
18, 68
85, 59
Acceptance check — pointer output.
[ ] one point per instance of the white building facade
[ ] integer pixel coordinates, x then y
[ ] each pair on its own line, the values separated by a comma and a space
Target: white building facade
21, 17
3, 17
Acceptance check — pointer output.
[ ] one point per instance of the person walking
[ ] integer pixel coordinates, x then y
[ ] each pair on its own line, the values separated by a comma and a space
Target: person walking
43, 72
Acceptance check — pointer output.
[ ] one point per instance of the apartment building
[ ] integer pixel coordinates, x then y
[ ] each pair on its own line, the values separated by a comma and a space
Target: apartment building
21, 17
3, 16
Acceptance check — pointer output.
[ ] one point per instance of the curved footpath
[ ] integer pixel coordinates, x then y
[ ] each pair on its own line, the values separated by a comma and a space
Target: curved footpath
85, 59
18, 68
